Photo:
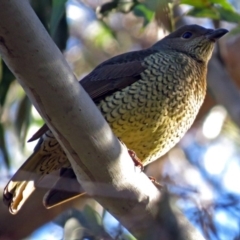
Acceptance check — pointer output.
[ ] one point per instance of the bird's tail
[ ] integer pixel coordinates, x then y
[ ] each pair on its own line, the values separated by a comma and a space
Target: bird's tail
42, 171
23, 183
39, 170
65, 189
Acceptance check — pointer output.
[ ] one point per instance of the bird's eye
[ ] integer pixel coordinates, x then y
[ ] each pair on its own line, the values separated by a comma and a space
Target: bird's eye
187, 35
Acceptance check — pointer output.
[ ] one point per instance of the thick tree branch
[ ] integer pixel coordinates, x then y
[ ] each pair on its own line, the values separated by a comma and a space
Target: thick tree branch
101, 163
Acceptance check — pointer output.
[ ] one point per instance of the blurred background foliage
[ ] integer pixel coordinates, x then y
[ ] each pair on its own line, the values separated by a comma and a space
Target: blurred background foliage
202, 172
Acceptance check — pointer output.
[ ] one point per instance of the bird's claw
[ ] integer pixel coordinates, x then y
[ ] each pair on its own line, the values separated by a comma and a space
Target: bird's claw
157, 184
135, 159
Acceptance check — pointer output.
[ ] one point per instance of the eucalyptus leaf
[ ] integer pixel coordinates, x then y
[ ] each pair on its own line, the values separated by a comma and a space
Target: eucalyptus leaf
3, 147
6, 79
106, 8
154, 4
229, 16
141, 10
43, 10
204, 13
60, 36
196, 3
128, 236
164, 15
116, 5
94, 220
235, 31
58, 11
224, 4
23, 117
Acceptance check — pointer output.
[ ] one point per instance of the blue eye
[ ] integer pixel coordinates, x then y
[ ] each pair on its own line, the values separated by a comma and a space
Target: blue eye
187, 35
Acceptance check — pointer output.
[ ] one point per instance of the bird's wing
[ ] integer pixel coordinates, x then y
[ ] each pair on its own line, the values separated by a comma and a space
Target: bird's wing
47, 159
114, 75
39, 133
31, 175
110, 76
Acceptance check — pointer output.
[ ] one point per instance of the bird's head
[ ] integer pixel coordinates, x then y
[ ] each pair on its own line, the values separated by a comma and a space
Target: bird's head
194, 40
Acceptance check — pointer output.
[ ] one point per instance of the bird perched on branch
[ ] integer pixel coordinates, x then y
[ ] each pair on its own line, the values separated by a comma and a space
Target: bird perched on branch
150, 98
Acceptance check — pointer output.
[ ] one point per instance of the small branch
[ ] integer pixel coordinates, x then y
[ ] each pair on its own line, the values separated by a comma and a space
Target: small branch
223, 88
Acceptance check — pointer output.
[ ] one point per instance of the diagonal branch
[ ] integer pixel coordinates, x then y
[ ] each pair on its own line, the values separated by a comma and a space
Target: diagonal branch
101, 164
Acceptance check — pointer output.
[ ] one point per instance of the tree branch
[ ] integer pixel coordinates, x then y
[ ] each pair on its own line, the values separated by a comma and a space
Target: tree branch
223, 88
101, 164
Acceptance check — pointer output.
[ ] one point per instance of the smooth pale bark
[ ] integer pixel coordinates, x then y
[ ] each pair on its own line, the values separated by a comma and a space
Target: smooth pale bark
101, 163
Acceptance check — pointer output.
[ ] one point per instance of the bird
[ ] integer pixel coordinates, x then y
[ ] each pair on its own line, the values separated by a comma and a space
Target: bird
150, 98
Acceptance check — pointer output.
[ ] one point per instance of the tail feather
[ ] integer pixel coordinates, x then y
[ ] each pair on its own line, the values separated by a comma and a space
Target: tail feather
64, 190
30, 175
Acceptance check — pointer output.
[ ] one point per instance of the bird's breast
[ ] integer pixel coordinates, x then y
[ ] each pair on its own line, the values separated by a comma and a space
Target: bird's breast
151, 115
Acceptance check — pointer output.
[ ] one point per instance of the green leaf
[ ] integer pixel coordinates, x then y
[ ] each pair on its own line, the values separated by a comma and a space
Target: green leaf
125, 6
58, 11
106, 8
3, 147
128, 236
61, 34
115, 5
234, 31
164, 15
224, 4
103, 35
23, 118
204, 13
208, 4
154, 4
5, 81
228, 15
196, 3
141, 10
93, 219
43, 10
52, 14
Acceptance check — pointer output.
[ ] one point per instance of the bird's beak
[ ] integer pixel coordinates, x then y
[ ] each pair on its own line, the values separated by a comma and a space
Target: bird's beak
216, 34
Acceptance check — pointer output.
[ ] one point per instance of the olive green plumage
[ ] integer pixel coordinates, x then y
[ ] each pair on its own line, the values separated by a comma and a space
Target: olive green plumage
150, 98
152, 114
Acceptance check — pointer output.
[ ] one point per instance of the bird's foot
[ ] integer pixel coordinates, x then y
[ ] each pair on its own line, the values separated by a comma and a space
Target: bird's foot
135, 159
157, 184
